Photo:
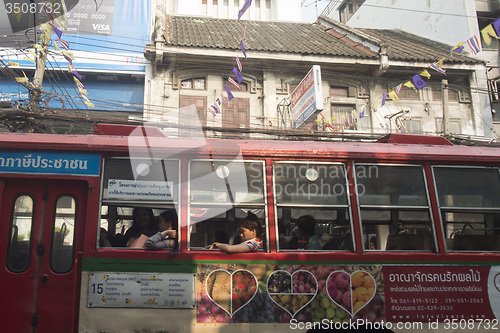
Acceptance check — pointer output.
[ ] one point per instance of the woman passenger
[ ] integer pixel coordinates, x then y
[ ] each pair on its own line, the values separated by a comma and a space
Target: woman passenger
249, 229
143, 224
166, 237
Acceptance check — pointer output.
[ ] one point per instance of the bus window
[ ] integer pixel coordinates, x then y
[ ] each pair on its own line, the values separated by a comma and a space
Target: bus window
140, 180
63, 234
470, 208
130, 183
117, 221
312, 206
221, 192
18, 255
394, 207
331, 229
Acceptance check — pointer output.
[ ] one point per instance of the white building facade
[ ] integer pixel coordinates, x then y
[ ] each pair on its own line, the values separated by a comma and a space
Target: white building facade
193, 56
450, 22
260, 10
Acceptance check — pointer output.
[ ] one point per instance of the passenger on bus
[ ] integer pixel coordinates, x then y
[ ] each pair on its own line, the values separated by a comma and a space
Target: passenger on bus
221, 236
166, 237
143, 224
250, 230
306, 231
104, 238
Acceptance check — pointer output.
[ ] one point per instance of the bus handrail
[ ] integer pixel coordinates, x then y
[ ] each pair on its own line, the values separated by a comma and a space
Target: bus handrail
76, 297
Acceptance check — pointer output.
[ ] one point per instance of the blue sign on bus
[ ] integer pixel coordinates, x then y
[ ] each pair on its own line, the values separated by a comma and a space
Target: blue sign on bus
54, 163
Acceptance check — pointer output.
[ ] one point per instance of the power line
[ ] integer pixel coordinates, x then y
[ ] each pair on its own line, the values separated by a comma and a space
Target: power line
414, 10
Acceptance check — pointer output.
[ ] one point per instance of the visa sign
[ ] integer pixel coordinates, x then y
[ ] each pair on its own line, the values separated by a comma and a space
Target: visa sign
307, 98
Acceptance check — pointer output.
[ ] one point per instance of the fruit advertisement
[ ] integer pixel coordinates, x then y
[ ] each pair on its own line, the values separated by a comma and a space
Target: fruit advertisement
259, 293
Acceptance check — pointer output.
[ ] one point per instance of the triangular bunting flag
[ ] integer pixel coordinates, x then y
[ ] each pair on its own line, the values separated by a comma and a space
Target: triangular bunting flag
393, 96
244, 31
242, 45
244, 8
21, 79
487, 33
457, 48
39, 48
474, 45
68, 55
383, 99
409, 85
75, 73
56, 31
496, 26
234, 82
229, 94
418, 81
362, 113
398, 88
438, 66
425, 73
239, 77
238, 62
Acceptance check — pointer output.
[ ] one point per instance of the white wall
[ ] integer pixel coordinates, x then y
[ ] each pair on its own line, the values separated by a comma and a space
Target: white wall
286, 10
281, 10
188, 7
445, 21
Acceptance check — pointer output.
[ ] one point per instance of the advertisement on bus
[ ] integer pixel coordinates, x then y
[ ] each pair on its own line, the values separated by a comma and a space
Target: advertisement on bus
259, 293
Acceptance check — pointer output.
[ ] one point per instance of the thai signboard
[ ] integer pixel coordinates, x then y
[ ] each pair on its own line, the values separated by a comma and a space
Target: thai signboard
307, 98
141, 290
131, 189
55, 163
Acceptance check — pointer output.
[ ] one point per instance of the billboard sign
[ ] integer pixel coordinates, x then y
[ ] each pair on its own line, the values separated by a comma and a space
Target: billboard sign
307, 98
104, 36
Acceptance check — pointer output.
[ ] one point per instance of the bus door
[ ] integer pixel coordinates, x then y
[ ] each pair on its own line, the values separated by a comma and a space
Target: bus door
41, 235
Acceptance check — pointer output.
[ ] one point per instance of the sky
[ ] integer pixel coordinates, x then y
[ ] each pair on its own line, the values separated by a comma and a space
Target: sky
309, 9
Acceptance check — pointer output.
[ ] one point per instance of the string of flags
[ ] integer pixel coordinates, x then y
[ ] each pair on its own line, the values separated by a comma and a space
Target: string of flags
216, 108
417, 82
48, 29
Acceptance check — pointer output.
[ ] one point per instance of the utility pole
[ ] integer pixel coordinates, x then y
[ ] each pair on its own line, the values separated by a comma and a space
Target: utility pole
446, 116
38, 78
35, 97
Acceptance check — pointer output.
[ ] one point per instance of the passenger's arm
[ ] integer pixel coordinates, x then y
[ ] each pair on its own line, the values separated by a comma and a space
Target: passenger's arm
229, 249
155, 242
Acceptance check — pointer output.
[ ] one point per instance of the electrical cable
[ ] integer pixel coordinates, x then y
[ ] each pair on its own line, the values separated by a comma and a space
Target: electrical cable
205, 68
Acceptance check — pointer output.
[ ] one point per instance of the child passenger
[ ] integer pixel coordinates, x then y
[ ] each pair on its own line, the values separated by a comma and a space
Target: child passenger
249, 229
166, 237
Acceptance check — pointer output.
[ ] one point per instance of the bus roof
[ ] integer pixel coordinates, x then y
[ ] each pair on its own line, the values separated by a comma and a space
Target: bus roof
397, 148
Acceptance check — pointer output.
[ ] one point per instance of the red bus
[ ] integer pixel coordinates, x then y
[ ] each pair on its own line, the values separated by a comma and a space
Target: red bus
405, 233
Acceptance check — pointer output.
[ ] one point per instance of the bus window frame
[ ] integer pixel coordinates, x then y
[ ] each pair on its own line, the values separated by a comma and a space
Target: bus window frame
390, 207
448, 209
190, 204
157, 205
347, 207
